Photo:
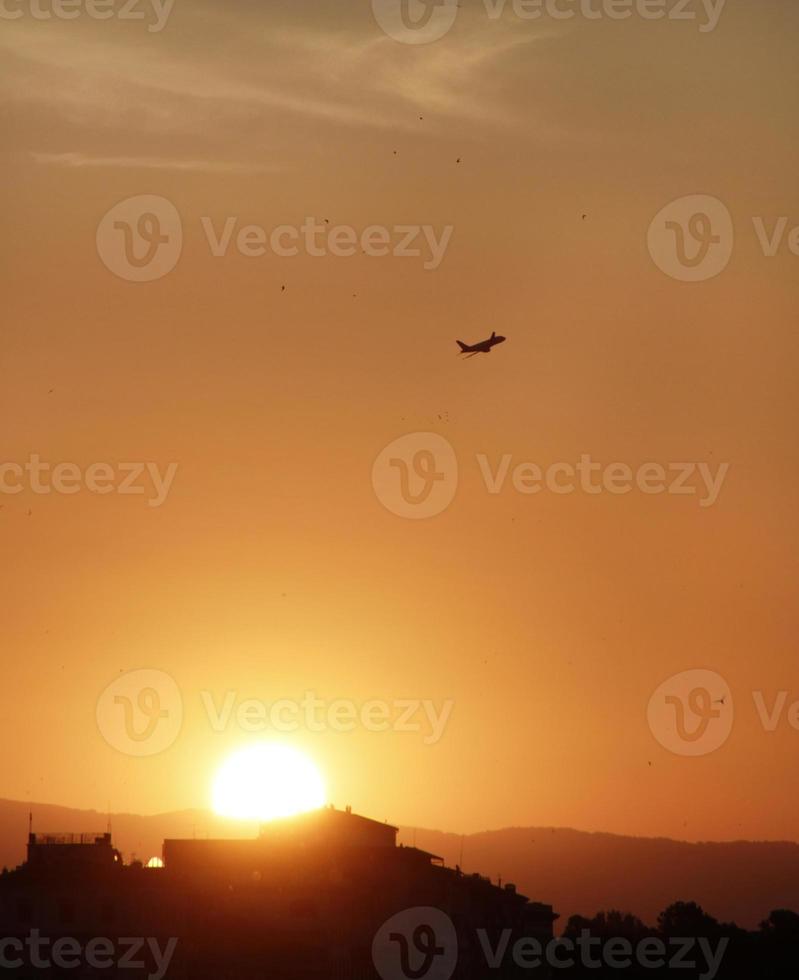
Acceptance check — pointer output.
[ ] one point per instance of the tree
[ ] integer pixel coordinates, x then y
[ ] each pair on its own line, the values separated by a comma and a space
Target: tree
686, 919
612, 924
782, 925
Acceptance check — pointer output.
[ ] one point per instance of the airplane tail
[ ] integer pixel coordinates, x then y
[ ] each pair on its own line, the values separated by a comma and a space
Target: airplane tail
463, 347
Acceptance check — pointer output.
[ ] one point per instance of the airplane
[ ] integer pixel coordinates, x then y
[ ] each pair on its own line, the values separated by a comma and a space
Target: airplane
484, 347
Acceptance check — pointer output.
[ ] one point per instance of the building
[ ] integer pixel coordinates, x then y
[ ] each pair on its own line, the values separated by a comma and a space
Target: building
62, 851
303, 900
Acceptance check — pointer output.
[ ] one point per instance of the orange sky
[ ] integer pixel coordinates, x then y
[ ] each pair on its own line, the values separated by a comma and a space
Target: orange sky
272, 568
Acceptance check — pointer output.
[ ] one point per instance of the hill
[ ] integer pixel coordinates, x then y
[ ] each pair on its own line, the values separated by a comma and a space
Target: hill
579, 872
575, 871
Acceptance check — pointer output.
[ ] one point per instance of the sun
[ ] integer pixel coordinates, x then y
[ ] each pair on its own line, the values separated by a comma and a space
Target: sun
265, 782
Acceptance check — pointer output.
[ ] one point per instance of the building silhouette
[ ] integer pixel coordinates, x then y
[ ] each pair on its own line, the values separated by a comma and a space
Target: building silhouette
305, 899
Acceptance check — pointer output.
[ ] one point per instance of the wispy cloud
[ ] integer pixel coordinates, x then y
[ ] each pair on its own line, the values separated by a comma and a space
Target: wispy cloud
78, 160
351, 78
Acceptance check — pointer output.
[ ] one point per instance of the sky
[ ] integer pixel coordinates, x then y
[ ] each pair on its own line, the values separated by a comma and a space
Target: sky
513, 642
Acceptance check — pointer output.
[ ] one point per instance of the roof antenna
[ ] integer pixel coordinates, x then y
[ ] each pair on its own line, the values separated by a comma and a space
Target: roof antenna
460, 862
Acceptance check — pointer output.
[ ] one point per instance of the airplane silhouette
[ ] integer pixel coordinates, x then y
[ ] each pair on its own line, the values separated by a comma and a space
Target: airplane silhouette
484, 347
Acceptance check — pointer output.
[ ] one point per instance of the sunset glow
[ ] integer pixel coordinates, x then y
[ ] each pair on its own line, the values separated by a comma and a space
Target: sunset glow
264, 782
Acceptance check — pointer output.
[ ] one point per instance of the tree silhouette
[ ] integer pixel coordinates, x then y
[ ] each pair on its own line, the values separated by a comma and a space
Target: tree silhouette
781, 924
609, 925
686, 919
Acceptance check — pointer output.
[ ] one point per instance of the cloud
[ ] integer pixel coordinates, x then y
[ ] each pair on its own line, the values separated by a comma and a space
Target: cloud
78, 160
225, 68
